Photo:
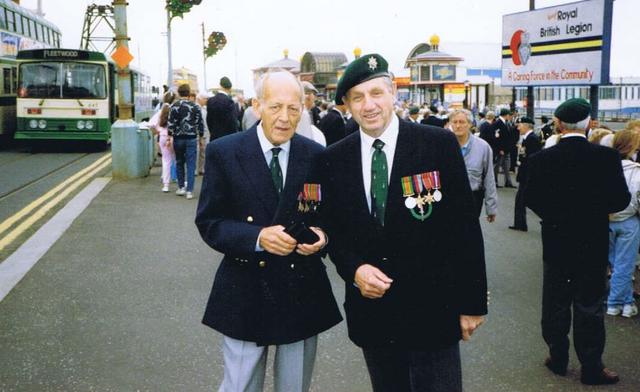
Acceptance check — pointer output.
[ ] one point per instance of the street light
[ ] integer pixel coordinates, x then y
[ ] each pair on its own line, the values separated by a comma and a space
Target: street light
465, 103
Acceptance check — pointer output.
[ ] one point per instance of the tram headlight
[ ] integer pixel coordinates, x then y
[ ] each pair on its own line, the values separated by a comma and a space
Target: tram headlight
33, 123
80, 124
42, 124
88, 124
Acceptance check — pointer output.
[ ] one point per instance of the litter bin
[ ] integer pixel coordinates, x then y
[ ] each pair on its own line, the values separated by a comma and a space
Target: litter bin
129, 150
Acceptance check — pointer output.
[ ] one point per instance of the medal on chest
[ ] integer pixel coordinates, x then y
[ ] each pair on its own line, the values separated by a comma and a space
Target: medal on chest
421, 191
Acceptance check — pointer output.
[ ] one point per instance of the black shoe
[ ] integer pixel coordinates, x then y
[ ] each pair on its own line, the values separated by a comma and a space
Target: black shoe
557, 368
511, 186
518, 228
605, 376
499, 186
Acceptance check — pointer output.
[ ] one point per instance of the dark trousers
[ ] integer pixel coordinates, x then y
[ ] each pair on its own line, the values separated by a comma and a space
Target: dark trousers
583, 288
394, 369
520, 209
478, 199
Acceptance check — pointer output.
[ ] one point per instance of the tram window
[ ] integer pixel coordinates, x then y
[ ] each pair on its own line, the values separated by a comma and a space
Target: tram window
3, 19
49, 41
11, 21
14, 79
25, 26
32, 28
19, 24
571, 93
6, 79
40, 32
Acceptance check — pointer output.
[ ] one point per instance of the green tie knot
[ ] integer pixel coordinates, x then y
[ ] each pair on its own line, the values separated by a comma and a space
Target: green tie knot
276, 151
378, 144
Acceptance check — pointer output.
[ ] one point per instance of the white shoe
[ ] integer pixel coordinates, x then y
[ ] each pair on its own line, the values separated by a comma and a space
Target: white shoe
189, 195
629, 310
181, 192
165, 188
614, 310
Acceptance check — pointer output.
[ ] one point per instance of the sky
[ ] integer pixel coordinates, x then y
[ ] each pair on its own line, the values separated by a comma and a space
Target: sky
259, 30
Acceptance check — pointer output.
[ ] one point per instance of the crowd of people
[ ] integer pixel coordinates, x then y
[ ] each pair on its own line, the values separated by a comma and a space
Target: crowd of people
395, 181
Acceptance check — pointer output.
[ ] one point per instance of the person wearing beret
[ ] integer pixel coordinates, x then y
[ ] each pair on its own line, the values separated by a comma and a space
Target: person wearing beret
270, 288
503, 141
397, 204
573, 187
222, 112
431, 119
414, 113
530, 145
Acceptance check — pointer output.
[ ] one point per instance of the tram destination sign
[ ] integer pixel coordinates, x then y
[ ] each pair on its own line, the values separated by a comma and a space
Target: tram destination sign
562, 45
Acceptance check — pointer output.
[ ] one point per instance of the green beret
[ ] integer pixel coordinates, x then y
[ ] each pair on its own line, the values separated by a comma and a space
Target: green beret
526, 120
504, 112
360, 70
414, 110
573, 110
225, 82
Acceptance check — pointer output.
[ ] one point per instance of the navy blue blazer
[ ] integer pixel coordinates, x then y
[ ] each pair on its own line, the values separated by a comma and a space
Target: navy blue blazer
222, 116
257, 296
437, 264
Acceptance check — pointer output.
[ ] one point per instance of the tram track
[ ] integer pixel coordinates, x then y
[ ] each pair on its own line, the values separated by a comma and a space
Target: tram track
42, 177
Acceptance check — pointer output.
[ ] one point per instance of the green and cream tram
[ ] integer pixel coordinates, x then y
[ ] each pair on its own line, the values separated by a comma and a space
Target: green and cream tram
69, 94
20, 29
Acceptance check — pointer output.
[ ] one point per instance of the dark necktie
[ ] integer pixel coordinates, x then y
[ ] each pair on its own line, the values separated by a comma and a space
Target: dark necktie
378, 181
276, 172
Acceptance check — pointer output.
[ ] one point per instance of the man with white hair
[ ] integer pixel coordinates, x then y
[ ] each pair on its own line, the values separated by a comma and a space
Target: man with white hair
271, 287
573, 187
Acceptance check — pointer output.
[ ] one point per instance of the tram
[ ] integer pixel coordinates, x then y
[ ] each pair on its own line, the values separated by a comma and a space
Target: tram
620, 100
69, 94
20, 29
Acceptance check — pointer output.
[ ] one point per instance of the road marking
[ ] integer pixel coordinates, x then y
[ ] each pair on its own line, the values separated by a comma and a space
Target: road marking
22, 227
14, 268
34, 204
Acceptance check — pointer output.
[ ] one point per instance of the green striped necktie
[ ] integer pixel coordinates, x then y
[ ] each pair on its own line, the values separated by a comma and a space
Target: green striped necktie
379, 176
276, 172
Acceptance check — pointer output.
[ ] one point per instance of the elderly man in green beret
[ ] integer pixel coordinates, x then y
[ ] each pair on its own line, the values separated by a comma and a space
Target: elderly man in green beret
573, 187
397, 206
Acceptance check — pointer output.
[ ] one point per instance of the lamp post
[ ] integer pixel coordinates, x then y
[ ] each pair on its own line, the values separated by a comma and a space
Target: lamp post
465, 103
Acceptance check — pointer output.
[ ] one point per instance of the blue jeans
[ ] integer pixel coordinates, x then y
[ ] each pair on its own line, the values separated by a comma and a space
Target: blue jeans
624, 240
186, 152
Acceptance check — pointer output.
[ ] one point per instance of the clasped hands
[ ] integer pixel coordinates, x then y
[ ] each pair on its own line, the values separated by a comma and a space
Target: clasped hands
373, 284
274, 240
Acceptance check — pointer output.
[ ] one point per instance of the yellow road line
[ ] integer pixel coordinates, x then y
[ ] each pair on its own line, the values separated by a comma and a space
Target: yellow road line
22, 227
34, 204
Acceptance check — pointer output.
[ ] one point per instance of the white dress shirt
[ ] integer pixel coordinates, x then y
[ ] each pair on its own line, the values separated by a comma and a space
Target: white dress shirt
390, 139
283, 160
283, 156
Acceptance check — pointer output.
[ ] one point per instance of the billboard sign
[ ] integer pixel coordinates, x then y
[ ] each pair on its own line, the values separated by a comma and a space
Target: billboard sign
562, 45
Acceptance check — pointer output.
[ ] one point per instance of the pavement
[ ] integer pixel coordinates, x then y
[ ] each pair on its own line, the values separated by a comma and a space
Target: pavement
116, 305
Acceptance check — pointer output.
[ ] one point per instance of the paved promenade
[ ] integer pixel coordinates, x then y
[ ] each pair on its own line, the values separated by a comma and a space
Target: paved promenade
116, 304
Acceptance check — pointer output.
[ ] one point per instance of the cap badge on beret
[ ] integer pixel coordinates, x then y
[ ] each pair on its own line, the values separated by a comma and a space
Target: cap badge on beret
373, 63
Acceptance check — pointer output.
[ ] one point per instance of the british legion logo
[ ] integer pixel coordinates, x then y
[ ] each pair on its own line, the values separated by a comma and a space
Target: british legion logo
373, 63
421, 191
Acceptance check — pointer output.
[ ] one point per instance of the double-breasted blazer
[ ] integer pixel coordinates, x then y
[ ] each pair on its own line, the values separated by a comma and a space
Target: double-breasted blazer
258, 296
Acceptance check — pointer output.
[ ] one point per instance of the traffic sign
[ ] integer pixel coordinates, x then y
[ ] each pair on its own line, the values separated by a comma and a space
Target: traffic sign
122, 57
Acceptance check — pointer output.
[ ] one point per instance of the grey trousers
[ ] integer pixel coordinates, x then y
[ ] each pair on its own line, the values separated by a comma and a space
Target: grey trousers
245, 365
502, 161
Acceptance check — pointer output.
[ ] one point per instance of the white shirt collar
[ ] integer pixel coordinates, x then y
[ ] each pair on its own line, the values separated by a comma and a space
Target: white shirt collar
527, 134
266, 145
389, 136
223, 92
573, 135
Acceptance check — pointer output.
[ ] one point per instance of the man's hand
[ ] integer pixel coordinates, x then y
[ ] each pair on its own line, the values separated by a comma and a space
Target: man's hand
372, 282
491, 218
274, 240
468, 325
309, 249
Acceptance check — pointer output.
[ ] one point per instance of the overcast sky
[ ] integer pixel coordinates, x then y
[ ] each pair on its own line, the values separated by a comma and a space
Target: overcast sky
259, 30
